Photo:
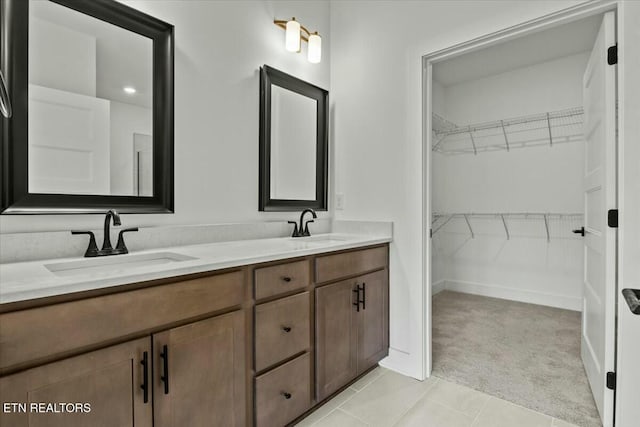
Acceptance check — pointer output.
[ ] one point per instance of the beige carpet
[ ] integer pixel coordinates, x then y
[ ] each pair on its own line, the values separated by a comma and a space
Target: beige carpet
524, 353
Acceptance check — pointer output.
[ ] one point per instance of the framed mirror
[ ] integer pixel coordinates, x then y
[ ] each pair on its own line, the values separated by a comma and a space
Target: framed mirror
293, 143
91, 85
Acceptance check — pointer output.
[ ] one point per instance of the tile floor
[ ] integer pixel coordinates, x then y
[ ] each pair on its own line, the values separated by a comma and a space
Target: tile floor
385, 398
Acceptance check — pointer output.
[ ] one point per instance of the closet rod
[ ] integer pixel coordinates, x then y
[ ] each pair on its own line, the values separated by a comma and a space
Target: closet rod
519, 132
522, 120
508, 214
502, 215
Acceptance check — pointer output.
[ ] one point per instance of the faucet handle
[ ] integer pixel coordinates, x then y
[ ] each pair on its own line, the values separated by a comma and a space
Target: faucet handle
306, 228
296, 232
121, 248
92, 249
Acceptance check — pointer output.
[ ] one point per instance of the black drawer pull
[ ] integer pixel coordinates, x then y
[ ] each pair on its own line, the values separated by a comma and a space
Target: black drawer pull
164, 355
286, 279
287, 329
286, 395
145, 376
357, 292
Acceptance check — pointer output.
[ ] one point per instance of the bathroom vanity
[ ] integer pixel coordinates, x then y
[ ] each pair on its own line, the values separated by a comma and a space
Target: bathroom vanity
258, 343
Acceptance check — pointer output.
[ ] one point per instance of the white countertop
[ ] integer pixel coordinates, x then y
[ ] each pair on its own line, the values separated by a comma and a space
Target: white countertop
22, 281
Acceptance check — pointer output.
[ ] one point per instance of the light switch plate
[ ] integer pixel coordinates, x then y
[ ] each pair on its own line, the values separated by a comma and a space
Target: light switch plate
339, 201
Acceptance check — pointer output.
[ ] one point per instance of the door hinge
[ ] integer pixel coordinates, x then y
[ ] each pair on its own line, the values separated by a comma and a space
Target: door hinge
612, 55
612, 218
611, 380
431, 232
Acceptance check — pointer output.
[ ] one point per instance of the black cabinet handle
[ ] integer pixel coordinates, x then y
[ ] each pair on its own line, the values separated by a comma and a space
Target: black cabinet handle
364, 296
286, 279
145, 376
579, 231
286, 395
164, 355
287, 329
357, 292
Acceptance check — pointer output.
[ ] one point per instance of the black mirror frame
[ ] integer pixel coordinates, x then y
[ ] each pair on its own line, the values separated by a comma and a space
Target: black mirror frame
270, 76
14, 60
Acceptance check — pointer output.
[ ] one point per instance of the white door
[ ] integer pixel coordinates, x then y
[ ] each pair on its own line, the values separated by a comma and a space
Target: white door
598, 310
68, 142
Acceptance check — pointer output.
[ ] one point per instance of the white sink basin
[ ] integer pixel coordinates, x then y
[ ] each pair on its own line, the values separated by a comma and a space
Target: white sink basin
115, 263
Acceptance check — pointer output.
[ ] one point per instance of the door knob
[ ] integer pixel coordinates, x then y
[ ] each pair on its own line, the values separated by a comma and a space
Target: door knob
579, 231
632, 297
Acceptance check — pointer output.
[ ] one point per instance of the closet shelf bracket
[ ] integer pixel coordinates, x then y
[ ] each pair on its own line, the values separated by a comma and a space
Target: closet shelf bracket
443, 224
506, 229
549, 127
546, 226
473, 141
466, 218
504, 132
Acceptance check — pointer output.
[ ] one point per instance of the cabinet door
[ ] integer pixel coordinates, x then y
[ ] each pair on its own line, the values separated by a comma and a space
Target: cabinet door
336, 340
200, 373
373, 319
109, 380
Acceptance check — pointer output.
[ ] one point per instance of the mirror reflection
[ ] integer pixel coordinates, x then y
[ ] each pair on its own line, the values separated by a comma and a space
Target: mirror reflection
293, 145
90, 105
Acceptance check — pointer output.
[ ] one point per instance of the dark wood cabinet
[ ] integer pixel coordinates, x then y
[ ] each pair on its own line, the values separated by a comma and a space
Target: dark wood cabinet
199, 373
254, 345
352, 319
336, 335
373, 320
109, 380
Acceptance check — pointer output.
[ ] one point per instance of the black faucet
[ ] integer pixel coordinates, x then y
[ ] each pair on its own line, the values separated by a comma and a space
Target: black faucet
302, 230
107, 249
106, 242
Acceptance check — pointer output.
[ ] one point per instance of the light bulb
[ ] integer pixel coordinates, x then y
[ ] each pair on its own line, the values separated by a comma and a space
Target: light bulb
292, 38
314, 52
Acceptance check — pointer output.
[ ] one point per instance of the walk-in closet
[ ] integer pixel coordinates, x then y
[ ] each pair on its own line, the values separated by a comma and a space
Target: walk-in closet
508, 164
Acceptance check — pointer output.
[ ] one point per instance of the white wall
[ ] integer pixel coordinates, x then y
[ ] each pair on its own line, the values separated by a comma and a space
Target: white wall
377, 91
126, 119
61, 58
219, 47
549, 86
536, 179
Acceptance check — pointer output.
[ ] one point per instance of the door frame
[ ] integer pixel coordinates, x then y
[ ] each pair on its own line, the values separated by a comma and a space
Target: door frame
549, 21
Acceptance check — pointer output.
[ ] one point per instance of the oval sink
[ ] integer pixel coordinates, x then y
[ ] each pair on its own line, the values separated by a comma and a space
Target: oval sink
114, 263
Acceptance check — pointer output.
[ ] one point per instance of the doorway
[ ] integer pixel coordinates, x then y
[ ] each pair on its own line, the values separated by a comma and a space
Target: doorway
521, 260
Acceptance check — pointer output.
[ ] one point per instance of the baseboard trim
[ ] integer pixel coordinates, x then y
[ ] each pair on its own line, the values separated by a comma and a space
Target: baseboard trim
495, 291
438, 286
402, 363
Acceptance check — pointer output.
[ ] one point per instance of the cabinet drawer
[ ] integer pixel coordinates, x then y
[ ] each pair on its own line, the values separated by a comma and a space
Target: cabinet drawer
28, 336
284, 393
331, 267
282, 329
281, 278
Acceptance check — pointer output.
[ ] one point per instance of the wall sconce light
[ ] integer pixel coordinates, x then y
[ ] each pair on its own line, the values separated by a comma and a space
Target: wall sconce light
295, 34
